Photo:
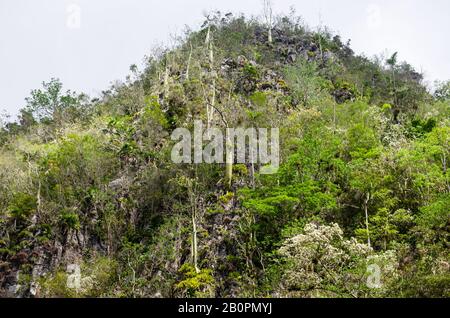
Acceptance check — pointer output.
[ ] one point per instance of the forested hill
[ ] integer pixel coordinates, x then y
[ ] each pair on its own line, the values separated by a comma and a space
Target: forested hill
91, 203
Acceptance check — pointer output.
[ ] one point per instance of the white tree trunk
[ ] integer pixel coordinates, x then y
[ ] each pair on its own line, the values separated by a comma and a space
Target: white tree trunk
194, 243
229, 161
189, 63
367, 218
194, 246
166, 81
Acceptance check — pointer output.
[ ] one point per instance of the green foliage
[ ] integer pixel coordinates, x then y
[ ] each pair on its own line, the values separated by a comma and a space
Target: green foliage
421, 127
70, 220
436, 215
195, 284
362, 142
308, 88
442, 91
22, 206
153, 111
430, 286
259, 99
251, 71
56, 286
364, 152
225, 199
344, 91
52, 103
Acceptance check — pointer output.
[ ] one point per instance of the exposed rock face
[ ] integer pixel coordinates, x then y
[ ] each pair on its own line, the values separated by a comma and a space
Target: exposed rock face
118, 184
11, 284
43, 259
34, 289
223, 233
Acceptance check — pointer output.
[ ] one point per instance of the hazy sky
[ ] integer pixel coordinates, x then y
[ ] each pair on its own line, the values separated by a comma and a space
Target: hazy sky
90, 43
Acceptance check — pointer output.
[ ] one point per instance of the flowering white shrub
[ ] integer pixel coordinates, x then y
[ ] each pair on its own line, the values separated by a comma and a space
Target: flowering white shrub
321, 263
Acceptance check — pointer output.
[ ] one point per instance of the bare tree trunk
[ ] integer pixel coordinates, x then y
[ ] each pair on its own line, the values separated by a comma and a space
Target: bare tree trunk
320, 38
444, 162
268, 15
229, 173
189, 62
229, 161
208, 34
366, 202
133, 276
166, 80
211, 54
194, 246
252, 167
229, 150
334, 118
395, 93
39, 197
211, 104
210, 115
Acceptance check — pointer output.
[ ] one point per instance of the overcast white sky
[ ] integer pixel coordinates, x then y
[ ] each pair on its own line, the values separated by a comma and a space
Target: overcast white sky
40, 39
